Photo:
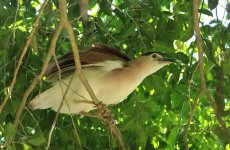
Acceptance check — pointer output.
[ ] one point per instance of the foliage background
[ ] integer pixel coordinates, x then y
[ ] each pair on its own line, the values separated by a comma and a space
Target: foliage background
156, 115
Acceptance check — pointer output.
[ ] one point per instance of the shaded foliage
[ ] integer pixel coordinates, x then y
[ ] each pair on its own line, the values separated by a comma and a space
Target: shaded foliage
156, 114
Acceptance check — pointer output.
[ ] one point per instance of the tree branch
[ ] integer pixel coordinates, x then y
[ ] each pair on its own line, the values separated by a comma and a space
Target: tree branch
37, 78
100, 106
64, 22
84, 15
190, 119
201, 67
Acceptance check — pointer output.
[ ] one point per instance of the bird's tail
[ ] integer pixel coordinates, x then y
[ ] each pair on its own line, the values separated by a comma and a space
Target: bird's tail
44, 100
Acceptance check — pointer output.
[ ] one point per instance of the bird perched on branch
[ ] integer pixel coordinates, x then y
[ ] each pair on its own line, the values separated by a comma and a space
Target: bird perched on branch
111, 74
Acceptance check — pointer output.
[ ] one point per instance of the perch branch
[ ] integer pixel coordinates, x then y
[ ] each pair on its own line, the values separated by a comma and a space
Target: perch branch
100, 106
22, 55
201, 67
63, 16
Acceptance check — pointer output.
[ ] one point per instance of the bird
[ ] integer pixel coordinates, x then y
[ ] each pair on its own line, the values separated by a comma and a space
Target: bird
111, 74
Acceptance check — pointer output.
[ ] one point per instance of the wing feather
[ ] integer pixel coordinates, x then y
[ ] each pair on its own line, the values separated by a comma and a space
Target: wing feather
93, 55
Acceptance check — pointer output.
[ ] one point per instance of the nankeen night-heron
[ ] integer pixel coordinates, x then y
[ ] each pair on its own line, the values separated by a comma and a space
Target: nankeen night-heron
111, 74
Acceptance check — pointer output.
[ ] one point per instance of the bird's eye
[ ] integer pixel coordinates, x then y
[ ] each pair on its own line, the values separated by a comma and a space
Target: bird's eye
154, 55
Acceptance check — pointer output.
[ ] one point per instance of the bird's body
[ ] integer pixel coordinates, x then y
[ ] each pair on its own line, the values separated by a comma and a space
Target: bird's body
112, 76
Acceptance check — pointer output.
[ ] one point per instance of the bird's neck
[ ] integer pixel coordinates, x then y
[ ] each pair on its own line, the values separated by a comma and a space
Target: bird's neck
141, 70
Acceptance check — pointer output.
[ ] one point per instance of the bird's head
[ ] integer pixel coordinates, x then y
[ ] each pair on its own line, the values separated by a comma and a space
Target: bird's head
153, 61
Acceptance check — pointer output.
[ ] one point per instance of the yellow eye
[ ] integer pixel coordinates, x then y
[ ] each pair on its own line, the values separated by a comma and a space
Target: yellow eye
154, 55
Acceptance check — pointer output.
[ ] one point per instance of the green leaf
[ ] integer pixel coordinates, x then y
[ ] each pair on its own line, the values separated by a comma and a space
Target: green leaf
226, 66
209, 76
152, 105
128, 124
187, 34
63, 136
153, 82
182, 57
100, 25
212, 4
129, 31
147, 29
182, 89
143, 137
73, 11
163, 47
10, 148
206, 12
4, 38
208, 67
105, 7
181, 7
172, 139
186, 107
36, 139
120, 14
9, 131
176, 98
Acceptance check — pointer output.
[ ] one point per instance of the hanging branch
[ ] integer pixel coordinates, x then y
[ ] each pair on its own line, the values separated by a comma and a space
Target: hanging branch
22, 55
201, 68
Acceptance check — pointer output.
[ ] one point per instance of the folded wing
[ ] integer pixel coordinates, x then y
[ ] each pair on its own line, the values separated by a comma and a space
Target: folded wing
92, 57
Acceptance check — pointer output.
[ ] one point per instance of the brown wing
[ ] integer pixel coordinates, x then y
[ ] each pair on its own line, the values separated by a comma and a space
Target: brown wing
98, 53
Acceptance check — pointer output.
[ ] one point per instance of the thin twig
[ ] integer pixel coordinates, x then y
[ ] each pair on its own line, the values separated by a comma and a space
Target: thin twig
76, 134
59, 72
84, 15
190, 119
15, 18
58, 111
201, 68
62, 101
133, 20
22, 56
75, 92
33, 119
190, 81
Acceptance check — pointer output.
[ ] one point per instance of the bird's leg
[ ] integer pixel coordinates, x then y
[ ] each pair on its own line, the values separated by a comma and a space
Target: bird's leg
104, 113
83, 113
102, 110
83, 101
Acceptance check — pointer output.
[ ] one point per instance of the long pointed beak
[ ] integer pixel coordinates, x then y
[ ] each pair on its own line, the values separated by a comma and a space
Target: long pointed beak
169, 60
